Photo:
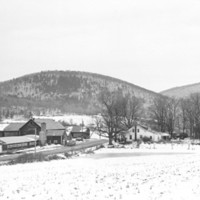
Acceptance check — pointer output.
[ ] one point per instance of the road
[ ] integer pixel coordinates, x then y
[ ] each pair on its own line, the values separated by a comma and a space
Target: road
62, 149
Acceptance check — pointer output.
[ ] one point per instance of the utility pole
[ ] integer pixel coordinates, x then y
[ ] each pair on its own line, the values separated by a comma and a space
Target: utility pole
35, 140
135, 130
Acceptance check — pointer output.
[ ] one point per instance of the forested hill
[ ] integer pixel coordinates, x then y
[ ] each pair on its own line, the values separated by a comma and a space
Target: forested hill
63, 92
183, 91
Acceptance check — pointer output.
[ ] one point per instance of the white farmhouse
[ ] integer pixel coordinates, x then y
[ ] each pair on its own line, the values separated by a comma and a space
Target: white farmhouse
141, 131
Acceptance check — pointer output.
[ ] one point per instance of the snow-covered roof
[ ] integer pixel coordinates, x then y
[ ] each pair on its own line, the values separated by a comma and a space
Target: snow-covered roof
50, 124
165, 134
16, 139
145, 128
3, 126
55, 132
79, 129
14, 126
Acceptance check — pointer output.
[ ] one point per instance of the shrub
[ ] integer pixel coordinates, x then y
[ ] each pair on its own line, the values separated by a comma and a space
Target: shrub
100, 146
89, 151
68, 155
146, 139
28, 158
54, 157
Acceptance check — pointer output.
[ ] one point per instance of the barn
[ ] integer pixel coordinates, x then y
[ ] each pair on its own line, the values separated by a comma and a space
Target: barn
19, 129
53, 131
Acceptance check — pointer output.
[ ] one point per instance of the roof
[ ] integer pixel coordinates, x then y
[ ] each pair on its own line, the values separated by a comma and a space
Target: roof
16, 140
50, 124
33, 136
79, 129
165, 134
55, 132
3, 126
14, 126
145, 128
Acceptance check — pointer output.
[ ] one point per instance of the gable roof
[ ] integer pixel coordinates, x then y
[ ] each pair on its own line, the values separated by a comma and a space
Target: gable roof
50, 124
14, 126
3, 126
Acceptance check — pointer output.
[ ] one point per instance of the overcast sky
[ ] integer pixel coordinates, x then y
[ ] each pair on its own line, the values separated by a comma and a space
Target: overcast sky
151, 43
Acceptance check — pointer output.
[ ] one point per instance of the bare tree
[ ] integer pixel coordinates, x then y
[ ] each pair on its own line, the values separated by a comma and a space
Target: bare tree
118, 113
158, 112
190, 115
132, 108
171, 115
109, 124
195, 114
183, 115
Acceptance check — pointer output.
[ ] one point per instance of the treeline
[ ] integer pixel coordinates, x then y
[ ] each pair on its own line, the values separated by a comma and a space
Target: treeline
178, 115
175, 116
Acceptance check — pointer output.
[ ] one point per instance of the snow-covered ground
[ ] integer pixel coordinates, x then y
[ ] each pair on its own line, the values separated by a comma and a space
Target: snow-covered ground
105, 176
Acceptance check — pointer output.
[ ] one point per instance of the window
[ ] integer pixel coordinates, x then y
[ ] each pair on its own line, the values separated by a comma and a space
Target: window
133, 130
138, 130
31, 143
130, 137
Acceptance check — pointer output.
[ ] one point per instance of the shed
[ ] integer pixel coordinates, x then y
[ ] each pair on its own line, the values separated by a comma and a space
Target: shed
79, 131
16, 142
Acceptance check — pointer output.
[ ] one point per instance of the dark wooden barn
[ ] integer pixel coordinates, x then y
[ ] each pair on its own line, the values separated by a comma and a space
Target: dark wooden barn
80, 132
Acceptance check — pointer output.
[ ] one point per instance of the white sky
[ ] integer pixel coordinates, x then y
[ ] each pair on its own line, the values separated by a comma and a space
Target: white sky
154, 44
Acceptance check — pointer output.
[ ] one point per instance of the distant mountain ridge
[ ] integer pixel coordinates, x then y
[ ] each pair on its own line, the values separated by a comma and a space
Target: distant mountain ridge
64, 91
182, 91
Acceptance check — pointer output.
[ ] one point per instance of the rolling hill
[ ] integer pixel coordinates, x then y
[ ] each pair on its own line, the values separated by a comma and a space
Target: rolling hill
183, 91
64, 92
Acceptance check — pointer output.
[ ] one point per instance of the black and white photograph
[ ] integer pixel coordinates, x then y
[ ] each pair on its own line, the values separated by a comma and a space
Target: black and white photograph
99, 99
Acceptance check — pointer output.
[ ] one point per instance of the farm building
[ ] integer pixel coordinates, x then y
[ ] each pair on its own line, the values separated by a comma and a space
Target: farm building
80, 132
16, 142
49, 130
55, 132
2, 127
19, 129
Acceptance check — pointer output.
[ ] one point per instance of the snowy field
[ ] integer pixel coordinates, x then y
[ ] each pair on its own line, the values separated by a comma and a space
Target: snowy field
69, 118
72, 119
108, 174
